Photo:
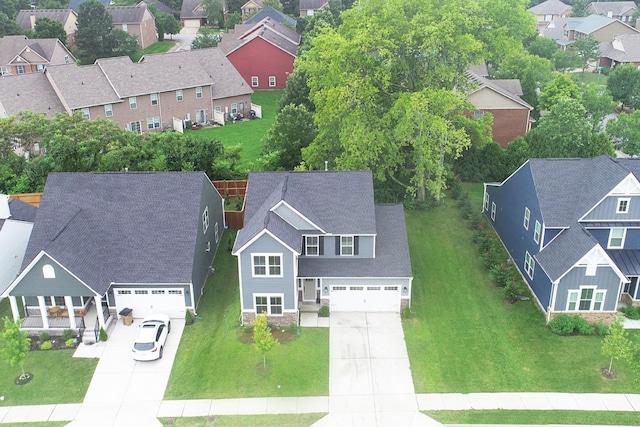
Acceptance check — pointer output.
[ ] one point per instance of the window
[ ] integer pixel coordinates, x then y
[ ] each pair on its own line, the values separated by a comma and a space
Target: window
234, 108
218, 108
254, 81
66, 59
153, 122
346, 245
215, 231
48, 272
20, 69
40, 68
267, 265
175, 292
124, 292
586, 299
616, 238
141, 292
485, 202
154, 98
271, 305
623, 206
272, 81
108, 110
4, 71
125, 28
478, 114
85, 113
312, 245
157, 291
199, 92
536, 232
205, 219
134, 127
133, 103
179, 95
527, 215
493, 211
529, 264
58, 301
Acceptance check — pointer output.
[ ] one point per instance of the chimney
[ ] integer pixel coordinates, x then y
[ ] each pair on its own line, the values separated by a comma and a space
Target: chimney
32, 19
4, 206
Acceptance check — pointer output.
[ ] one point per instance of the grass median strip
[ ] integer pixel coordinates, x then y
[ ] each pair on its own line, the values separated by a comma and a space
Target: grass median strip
293, 420
536, 417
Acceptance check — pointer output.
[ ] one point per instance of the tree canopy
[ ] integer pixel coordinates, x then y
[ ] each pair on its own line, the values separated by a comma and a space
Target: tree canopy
588, 49
93, 33
624, 85
47, 28
561, 85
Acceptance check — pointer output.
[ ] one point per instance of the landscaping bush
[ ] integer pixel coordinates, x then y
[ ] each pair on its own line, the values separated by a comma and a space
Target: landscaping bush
46, 345
510, 292
406, 313
43, 337
631, 312
564, 324
324, 311
71, 342
582, 326
500, 274
601, 329
67, 334
188, 318
103, 335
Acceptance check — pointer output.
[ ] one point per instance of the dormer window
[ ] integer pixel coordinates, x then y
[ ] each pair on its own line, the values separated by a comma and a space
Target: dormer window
623, 205
312, 246
616, 238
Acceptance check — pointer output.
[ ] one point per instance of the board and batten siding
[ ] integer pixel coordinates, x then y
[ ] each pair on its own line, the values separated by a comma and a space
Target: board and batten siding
286, 284
631, 240
34, 284
605, 278
606, 210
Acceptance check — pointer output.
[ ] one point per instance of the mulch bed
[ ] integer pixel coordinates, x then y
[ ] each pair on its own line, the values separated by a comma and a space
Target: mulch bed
282, 335
612, 375
57, 343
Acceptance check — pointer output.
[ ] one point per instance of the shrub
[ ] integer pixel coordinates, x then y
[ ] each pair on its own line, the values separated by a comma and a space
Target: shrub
406, 313
188, 318
510, 291
631, 312
601, 329
46, 345
67, 334
562, 324
71, 342
103, 335
582, 326
500, 275
324, 311
248, 329
44, 336
475, 220
455, 186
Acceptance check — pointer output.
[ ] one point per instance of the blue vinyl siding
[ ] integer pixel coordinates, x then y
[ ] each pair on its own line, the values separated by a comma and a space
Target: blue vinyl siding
605, 278
34, 283
365, 247
286, 284
511, 198
631, 241
606, 210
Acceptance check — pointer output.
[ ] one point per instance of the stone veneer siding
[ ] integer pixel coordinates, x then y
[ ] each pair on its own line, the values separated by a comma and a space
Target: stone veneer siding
287, 319
627, 299
607, 317
404, 303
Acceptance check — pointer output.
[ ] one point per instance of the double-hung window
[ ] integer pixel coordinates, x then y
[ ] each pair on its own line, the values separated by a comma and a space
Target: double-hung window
108, 110
179, 95
254, 81
20, 69
134, 126
154, 98
527, 216
272, 81
493, 211
346, 245
536, 232
623, 205
270, 305
199, 92
312, 245
267, 265
616, 238
153, 122
529, 264
485, 202
85, 113
587, 298
133, 103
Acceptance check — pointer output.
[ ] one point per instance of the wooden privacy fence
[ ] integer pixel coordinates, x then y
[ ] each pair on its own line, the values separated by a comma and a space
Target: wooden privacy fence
32, 198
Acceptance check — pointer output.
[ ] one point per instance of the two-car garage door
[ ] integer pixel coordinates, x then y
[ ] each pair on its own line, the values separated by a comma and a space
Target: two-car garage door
365, 298
147, 301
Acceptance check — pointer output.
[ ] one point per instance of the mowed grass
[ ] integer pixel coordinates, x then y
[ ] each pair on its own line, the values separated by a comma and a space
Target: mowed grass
537, 417
247, 134
51, 370
157, 47
281, 420
212, 362
463, 338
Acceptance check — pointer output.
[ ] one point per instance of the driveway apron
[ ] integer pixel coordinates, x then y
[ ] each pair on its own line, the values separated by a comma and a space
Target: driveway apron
122, 390
370, 380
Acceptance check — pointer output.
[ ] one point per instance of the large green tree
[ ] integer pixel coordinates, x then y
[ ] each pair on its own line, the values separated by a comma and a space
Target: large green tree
206, 38
624, 85
544, 47
588, 49
532, 71
624, 131
598, 102
215, 12
8, 27
47, 28
292, 131
93, 33
561, 85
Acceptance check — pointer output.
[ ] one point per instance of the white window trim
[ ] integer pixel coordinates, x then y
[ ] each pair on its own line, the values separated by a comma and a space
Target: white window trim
153, 123
86, 113
485, 202
537, 231
255, 81
198, 92
527, 218
352, 246
267, 272
205, 220
623, 199
272, 81
529, 264
578, 293
269, 296
48, 272
108, 110
624, 236
215, 231
133, 103
307, 245
154, 98
179, 95
493, 211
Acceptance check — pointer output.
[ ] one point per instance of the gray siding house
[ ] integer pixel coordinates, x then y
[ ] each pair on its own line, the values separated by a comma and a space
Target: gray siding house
102, 242
313, 239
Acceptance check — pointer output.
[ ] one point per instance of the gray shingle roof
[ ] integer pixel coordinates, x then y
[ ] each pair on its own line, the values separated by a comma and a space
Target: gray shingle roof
30, 92
623, 48
192, 9
274, 14
82, 86
593, 23
161, 6
75, 4
24, 16
313, 4
21, 211
618, 8
120, 227
127, 14
565, 250
549, 7
10, 46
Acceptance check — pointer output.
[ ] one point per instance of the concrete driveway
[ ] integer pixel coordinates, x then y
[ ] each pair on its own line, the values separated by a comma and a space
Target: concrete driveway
370, 380
123, 391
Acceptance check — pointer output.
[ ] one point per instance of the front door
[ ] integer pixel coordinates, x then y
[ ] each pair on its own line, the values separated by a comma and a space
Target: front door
309, 290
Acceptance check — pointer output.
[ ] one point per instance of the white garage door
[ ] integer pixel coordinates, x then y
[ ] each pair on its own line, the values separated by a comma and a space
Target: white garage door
365, 298
192, 23
147, 301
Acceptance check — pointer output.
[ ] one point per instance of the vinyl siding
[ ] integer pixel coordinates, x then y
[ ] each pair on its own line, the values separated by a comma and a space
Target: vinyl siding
631, 241
606, 210
34, 283
605, 278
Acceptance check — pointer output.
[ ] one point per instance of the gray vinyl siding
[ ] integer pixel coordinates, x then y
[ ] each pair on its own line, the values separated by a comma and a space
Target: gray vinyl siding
293, 218
286, 284
606, 210
202, 259
365, 247
605, 278
34, 283
400, 281
185, 290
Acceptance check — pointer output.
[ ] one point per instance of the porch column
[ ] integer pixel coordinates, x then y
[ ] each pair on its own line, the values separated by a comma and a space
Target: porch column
72, 315
98, 302
14, 308
43, 312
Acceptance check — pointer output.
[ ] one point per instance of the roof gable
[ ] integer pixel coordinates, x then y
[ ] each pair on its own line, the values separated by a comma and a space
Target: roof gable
550, 7
274, 14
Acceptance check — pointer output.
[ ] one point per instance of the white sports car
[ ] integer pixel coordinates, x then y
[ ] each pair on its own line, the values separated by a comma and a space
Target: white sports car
151, 337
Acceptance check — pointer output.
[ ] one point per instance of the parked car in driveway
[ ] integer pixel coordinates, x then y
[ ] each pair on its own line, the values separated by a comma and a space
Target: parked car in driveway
152, 335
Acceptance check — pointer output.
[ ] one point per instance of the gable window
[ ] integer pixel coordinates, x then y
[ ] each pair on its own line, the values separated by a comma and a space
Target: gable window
40, 68
134, 126
48, 272
254, 81
493, 211
529, 264
66, 59
179, 95
108, 110
272, 81
312, 245
616, 238
153, 122
154, 98
199, 92
587, 298
133, 103
205, 219
485, 202
536, 232
85, 113
623, 205
271, 305
527, 215
267, 265
346, 245
20, 69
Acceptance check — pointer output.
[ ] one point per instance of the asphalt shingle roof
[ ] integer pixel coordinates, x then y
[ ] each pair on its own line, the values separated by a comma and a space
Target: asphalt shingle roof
274, 14
565, 250
21, 211
509, 88
30, 92
82, 86
192, 9
273, 32
549, 7
617, 8
623, 48
24, 16
127, 14
120, 227
10, 46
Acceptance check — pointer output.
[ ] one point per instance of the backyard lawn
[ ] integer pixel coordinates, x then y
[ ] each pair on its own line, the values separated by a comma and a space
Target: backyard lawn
463, 338
247, 134
212, 362
157, 47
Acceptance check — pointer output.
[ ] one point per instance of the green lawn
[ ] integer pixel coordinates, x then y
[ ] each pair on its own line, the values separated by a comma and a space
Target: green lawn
463, 338
212, 363
536, 417
590, 77
157, 47
247, 134
50, 369
297, 420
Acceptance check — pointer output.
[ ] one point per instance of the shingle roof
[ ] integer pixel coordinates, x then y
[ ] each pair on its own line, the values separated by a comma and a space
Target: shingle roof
24, 16
192, 9
127, 14
10, 46
509, 88
313, 4
82, 86
617, 8
30, 92
593, 23
565, 250
273, 32
21, 211
75, 4
549, 7
161, 6
623, 48
120, 227
274, 14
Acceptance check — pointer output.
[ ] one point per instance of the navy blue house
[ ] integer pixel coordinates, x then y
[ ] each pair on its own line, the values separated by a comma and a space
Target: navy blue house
572, 228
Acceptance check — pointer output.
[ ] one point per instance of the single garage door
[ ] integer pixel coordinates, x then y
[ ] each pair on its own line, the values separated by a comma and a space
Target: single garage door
148, 301
192, 23
365, 298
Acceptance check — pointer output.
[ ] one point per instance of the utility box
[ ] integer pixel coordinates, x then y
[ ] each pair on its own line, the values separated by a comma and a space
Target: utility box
127, 316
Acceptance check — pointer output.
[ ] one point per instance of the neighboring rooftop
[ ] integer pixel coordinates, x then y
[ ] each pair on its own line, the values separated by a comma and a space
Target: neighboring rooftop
550, 7
275, 15
26, 22
75, 4
30, 92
